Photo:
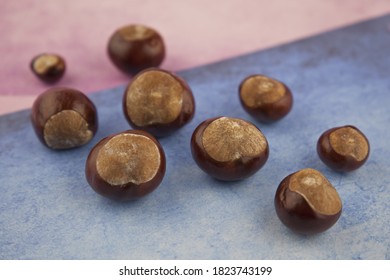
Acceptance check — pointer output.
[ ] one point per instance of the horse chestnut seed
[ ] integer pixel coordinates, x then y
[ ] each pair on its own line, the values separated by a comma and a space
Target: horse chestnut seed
126, 166
264, 98
306, 202
48, 67
343, 148
136, 47
159, 102
64, 118
229, 148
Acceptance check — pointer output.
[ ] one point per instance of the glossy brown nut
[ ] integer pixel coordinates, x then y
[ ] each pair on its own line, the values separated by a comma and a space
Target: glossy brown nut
126, 166
135, 47
64, 118
48, 67
229, 149
159, 102
343, 148
264, 98
307, 203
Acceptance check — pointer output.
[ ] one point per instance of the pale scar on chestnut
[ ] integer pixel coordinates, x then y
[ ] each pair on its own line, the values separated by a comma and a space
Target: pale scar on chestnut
128, 158
227, 139
44, 62
347, 141
135, 32
316, 190
66, 129
258, 90
154, 98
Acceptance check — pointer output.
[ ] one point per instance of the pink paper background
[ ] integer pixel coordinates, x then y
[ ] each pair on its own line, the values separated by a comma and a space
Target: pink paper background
196, 32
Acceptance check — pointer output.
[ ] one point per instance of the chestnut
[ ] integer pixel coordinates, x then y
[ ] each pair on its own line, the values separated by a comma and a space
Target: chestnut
64, 118
229, 148
126, 166
264, 98
135, 47
48, 67
158, 101
307, 203
343, 148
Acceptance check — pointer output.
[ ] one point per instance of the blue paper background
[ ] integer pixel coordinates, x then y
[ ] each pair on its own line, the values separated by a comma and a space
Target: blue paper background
48, 211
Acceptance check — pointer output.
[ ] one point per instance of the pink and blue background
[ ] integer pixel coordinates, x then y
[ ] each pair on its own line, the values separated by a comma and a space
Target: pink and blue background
196, 32
334, 56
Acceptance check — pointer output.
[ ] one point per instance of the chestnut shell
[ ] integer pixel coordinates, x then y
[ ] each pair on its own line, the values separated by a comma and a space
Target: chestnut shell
129, 191
333, 159
134, 55
269, 112
302, 218
238, 169
165, 129
53, 73
57, 99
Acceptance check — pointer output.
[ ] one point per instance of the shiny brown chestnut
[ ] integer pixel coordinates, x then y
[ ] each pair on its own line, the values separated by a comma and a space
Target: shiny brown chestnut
265, 99
307, 203
48, 67
158, 101
64, 118
343, 148
229, 148
126, 166
136, 47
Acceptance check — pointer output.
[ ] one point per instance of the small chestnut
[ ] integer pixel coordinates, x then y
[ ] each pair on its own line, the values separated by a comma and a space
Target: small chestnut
48, 67
343, 148
264, 98
64, 118
126, 166
158, 101
136, 47
229, 148
307, 203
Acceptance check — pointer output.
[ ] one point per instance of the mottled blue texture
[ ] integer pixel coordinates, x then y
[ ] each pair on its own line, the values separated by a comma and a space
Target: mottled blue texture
48, 211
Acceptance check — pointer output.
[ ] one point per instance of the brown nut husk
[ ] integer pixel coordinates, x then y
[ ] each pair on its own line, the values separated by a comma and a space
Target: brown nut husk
48, 67
126, 166
64, 118
343, 148
307, 203
229, 149
135, 47
264, 98
158, 102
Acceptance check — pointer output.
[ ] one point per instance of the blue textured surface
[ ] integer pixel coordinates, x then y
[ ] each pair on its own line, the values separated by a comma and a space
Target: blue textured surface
48, 211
